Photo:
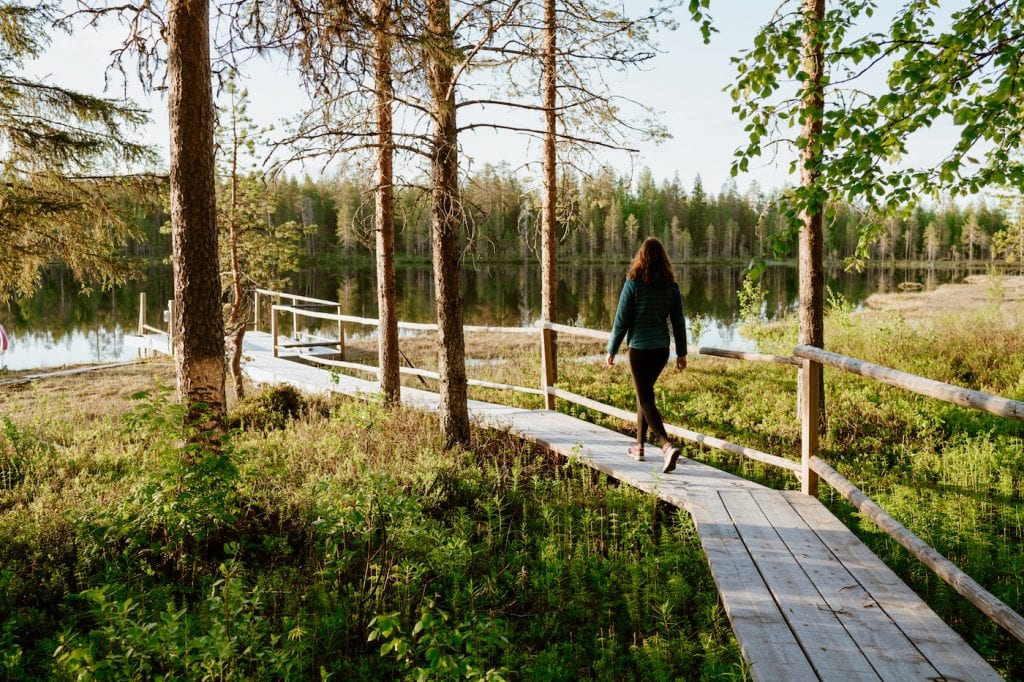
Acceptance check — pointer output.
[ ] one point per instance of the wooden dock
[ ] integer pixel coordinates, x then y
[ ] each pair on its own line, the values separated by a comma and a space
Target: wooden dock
807, 600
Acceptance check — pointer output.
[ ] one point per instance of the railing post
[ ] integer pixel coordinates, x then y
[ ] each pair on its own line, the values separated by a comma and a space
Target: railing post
810, 415
341, 335
295, 319
548, 368
273, 328
142, 313
170, 327
256, 310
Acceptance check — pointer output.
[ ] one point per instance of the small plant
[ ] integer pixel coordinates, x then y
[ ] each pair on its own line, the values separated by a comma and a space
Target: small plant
446, 651
188, 497
697, 324
836, 303
270, 409
996, 281
751, 297
10, 650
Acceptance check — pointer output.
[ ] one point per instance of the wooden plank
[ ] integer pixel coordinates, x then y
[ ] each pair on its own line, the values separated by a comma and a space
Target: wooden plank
829, 647
294, 297
600, 335
993, 404
810, 424
944, 648
679, 431
306, 344
548, 366
892, 655
765, 638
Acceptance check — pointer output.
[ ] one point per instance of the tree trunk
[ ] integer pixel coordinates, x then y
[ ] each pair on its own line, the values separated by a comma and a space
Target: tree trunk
812, 268
385, 210
236, 325
454, 410
549, 215
198, 321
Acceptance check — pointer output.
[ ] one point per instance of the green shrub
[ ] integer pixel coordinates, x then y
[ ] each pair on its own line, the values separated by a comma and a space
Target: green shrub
271, 408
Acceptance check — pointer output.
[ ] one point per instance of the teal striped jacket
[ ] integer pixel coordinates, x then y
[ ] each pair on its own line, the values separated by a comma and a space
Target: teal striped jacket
643, 314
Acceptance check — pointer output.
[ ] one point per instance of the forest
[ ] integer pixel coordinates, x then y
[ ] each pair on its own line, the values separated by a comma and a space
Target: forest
603, 217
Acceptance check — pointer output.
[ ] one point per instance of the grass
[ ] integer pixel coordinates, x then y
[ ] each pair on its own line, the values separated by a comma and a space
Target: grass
328, 540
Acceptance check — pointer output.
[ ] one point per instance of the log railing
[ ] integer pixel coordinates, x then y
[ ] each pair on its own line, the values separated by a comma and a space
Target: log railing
548, 388
813, 467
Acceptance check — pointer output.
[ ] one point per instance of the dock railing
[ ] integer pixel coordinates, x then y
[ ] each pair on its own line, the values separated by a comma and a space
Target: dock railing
275, 297
145, 328
809, 360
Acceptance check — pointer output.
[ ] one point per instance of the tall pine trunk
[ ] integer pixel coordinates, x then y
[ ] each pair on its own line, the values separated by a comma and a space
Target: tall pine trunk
236, 325
549, 213
812, 267
198, 321
454, 410
385, 209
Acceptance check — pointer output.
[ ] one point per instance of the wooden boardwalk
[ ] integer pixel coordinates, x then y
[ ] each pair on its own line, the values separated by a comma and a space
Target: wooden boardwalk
807, 600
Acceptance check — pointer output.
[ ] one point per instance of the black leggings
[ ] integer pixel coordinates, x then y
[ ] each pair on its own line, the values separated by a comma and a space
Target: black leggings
646, 366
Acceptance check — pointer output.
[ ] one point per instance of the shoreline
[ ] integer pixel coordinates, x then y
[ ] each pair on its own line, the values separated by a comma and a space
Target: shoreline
1004, 292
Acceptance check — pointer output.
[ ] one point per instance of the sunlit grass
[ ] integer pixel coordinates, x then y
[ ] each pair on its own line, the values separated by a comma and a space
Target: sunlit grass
340, 521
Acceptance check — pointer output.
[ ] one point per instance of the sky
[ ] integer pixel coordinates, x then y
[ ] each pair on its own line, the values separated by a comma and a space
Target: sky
685, 83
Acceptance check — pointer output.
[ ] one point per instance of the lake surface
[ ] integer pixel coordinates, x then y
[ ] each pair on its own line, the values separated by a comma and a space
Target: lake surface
60, 325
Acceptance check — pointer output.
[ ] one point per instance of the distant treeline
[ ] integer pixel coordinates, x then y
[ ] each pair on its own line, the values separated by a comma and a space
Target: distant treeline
605, 216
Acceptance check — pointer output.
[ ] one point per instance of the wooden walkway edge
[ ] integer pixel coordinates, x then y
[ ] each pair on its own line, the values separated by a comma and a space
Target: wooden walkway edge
807, 600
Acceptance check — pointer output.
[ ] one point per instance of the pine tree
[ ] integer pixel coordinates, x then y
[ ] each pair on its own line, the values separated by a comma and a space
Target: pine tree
256, 249
59, 197
971, 235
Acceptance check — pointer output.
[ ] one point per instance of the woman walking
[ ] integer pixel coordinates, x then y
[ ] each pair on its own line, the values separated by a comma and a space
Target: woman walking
650, 298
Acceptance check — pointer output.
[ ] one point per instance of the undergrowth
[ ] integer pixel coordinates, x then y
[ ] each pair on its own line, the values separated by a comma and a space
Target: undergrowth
337, 540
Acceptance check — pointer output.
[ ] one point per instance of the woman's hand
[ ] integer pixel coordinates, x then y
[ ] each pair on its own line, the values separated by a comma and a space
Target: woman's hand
611, 360
680, 362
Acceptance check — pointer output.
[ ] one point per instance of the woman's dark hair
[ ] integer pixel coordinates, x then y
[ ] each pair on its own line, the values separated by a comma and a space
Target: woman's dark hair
650, 260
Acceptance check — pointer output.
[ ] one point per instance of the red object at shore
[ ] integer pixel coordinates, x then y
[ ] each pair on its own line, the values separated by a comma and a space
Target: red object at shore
5, 342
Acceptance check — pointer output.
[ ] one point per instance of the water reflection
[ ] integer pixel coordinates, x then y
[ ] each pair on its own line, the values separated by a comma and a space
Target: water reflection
60, 325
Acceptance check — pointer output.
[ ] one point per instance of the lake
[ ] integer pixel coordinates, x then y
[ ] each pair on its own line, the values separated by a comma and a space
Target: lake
61, 326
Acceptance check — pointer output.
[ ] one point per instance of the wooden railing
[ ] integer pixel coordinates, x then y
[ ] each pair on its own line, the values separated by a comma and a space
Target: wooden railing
145, 328
275, 296
814, 359
811, 467
548, 389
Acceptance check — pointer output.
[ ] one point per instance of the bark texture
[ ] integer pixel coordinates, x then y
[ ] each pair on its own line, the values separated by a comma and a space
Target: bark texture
549, 213
454, 410
384, 209
812, 269
812, 239
198, 320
